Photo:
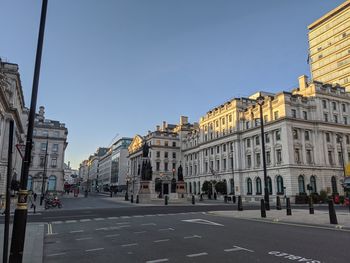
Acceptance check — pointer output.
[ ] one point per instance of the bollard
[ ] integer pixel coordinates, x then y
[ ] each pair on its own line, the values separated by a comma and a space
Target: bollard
289, 209
262, 208
126, 196
132, 198
137, 199
193, 200
311, 206
234, 199
201, 197
240, 206
166, 200
332, 215
278, 203
225, 198
215, 196
111, 194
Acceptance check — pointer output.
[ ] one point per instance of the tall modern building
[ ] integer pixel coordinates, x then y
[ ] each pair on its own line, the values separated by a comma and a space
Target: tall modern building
329, 47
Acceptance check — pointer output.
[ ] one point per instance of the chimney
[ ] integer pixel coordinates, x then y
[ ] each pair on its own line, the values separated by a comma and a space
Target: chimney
164, 125
303, 82
41, 113
183, 120
157, 127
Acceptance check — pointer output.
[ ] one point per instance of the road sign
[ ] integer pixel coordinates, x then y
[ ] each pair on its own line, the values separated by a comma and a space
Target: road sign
21, 149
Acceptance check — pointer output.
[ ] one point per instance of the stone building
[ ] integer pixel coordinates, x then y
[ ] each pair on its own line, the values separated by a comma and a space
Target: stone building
11, 108
305, 131
47, 160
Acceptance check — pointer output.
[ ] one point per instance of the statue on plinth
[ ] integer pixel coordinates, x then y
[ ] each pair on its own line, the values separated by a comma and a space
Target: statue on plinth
180, 176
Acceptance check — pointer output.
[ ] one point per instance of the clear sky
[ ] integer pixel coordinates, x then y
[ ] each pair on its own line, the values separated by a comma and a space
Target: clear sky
124, 66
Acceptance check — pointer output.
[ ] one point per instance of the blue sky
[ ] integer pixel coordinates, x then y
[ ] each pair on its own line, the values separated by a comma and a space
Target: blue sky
124, 66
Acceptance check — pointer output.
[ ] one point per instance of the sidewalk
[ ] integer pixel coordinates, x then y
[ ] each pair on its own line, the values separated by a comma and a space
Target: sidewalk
34, 243
299, 216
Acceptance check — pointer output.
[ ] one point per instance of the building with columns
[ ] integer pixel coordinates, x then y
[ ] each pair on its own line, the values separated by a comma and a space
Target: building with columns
11, 108
307, 134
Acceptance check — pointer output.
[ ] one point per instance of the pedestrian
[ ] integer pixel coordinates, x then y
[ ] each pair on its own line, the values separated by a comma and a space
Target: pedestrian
35, 196
32, 202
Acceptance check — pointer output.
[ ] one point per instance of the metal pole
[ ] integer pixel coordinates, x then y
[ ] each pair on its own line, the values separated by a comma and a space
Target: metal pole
8, 196
20, 217
266, 192
44, 173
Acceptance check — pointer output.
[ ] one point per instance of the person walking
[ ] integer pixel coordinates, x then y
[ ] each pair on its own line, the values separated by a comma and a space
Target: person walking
32, 201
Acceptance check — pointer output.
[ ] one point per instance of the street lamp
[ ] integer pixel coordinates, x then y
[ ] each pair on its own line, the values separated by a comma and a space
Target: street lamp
87, 181
260, 101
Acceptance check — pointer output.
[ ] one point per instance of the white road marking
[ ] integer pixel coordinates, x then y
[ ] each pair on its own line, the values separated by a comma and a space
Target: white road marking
102, 228
94, 249
125, 217
85, 220
129, 245
138, 216
83, 238
150, 215
158, 260
148, 224
49, 229
57, 222
161, 240
237, 248
56, 254
99, 219
194, 236
160, 214
124, 226
113, 235
71, 221
140, 232
112, 217
167, 229
123, 223
202, 221
197, 255
76, 231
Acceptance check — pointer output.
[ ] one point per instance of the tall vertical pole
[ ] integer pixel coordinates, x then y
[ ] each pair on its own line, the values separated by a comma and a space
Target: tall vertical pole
44, 173
8, 195
20, 217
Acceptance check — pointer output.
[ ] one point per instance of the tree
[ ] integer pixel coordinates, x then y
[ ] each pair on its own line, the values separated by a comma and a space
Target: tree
206, 187
221, 187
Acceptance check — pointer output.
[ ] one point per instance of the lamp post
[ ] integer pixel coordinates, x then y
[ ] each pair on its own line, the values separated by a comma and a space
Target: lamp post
87, 181
260, 101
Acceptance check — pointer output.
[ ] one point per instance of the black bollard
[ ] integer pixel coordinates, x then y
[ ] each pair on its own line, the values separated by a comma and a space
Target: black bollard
262, 208
311, 206
278, 203
234, 199
126, 196
215, 196
332, 215
225, 198
132, 198
137, 199
240, 206
111, 194
166, 200
289, 209
193, 200
201, 197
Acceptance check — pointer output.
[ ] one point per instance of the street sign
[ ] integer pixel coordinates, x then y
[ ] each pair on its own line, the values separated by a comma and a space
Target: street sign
21, 149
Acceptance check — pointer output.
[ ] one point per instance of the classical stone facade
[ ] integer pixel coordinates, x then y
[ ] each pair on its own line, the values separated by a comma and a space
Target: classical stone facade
302, 131
11, 108
47, 161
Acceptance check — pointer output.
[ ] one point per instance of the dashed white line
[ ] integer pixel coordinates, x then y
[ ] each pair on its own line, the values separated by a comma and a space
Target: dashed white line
157, 260
140, 232
148, 224
102, 228
167, 229
150, 215
113, 235
71, 221
85, 220
160, 214
129, 245
123, 223
94, 249
76, 231
194, 236
161, 240
112, 217
56, 254
237, 248
57, 222
83, 238
197, 255
99, 219
125, 217
138, 216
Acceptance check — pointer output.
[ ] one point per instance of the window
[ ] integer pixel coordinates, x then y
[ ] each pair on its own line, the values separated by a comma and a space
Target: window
51, 184
166, 155
295, 134
249, 160
305, 115
166, 167
294, 113
53, 162
308, 156
218, 165
266, 118
330, 157
340, 158
224, 164
43, 146
313, 184
166, 143
45, 133
335, 117
158, 154
174, 155
56, 134
325, 116
269, 185
280, 187
157, 142
248, 143
174, 144
279, 155
55, 147
268, 157
217, 123
345, 120
334, 185
206, 152
343, 106
229, 118
307, 135
257, 140
257, 159
328, 137
334, 105
324, 104
297, 155
258, 186
42, 161
30, 183
211, 150
157, 166
224, 147
217, 149
275, 114
223, 121
301, 184
278, 135
267, 138
347, 139
249, 186
206, 167
174, 166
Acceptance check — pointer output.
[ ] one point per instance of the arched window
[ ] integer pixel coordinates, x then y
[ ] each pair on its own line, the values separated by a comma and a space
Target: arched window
51, 185
30, 183
258, 186
334, 185
280, 186
313, 184
269, 185
301, 184
249, 186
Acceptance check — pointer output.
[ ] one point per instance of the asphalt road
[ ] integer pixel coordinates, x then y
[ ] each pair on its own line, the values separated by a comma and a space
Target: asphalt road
190, 237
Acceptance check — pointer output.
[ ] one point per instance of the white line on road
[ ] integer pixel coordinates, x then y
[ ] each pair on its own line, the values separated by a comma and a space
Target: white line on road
85, 220
71, 221
99, 219
194, 236
237, 248
140, 232
57, 222
102, 228
83, 238
56, 254
150, 215
49, 229
197, 255
158, 260
112, 217
124, 226
125, 217
138, 216
123, 223
94, 249
167, 229
129, 245
114, 235
76, 231
161, 240
148, 224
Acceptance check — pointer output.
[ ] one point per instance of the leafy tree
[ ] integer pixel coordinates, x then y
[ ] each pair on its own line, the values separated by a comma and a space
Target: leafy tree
221, 187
